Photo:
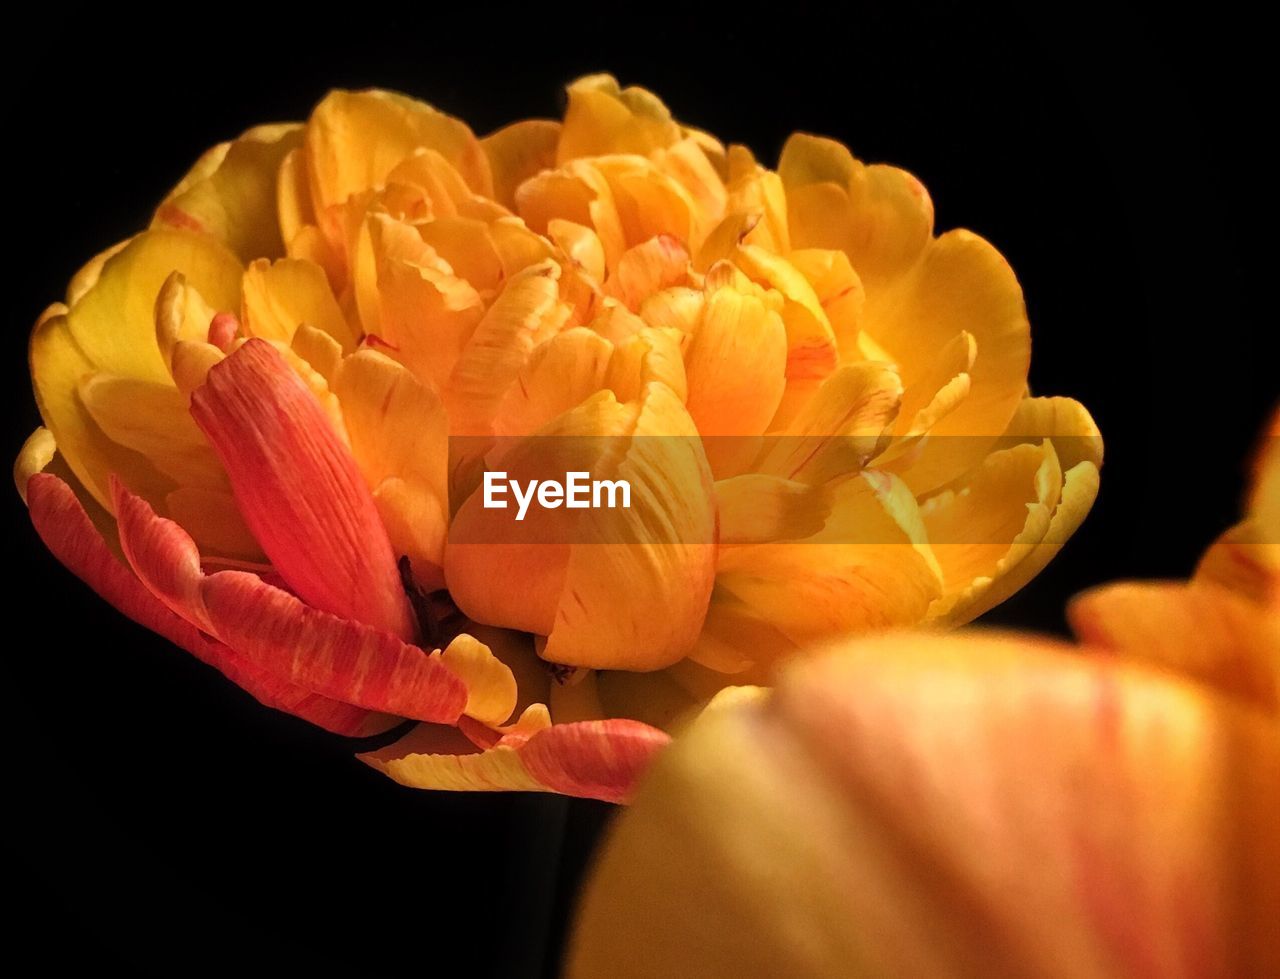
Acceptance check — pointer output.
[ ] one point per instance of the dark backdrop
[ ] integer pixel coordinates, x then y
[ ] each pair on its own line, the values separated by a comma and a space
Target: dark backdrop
160, 821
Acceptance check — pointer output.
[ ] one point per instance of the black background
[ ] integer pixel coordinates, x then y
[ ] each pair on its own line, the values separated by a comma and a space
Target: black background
159, 820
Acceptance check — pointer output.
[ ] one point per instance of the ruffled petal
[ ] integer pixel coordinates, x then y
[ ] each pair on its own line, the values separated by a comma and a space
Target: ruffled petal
590, 579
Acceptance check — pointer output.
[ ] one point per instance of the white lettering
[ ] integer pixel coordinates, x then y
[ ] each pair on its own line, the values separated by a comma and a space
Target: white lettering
577, 483
492, 485
578, 492
612, 486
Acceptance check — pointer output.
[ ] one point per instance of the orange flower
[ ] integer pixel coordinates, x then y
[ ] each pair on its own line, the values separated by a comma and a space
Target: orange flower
980, 805
282, 398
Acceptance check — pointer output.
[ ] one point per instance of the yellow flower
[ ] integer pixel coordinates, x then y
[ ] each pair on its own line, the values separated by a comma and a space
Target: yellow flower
285, 398
996, 805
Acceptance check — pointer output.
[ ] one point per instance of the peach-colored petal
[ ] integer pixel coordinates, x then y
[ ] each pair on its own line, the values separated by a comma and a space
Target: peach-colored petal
1199, 630
299, 489
923, 806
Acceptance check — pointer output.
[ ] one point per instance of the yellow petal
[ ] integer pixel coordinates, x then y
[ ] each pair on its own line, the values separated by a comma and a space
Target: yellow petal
425, 313
283, 295
983, 527
868, 568
400, 440
152, 419
36, 453
113, 324
355, 139
491, 686
880, 216
604, 118
961, 285
526, 312
518, 151
838, 430
237, 201
560, 374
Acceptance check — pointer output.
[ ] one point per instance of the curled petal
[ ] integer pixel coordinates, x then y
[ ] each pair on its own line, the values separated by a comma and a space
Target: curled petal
235, 198
299, 489
65, 528
604, 118
590, 759
355, 139
338, 658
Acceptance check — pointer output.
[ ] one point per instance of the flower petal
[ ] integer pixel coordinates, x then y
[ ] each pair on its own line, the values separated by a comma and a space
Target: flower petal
1199, 630
880, 216
518, 151
299, 489
235, 201
604, 118
924, 806
589, 579
961, 285
71, 537
112, 328
589, 759
354, 139
338, 658
400, 440
281, 296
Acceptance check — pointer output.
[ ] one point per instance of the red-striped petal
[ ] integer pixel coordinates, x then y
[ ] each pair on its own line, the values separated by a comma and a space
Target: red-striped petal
299, 489
337, 657
71, 537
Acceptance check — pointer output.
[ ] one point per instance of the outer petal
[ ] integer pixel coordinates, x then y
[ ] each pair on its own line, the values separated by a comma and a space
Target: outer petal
869, 568
299, 489
235, 201
960, 285
591, 759
1199, 630
354, 139
920, 806
112, 328
67, 531
984, 527
879, 215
